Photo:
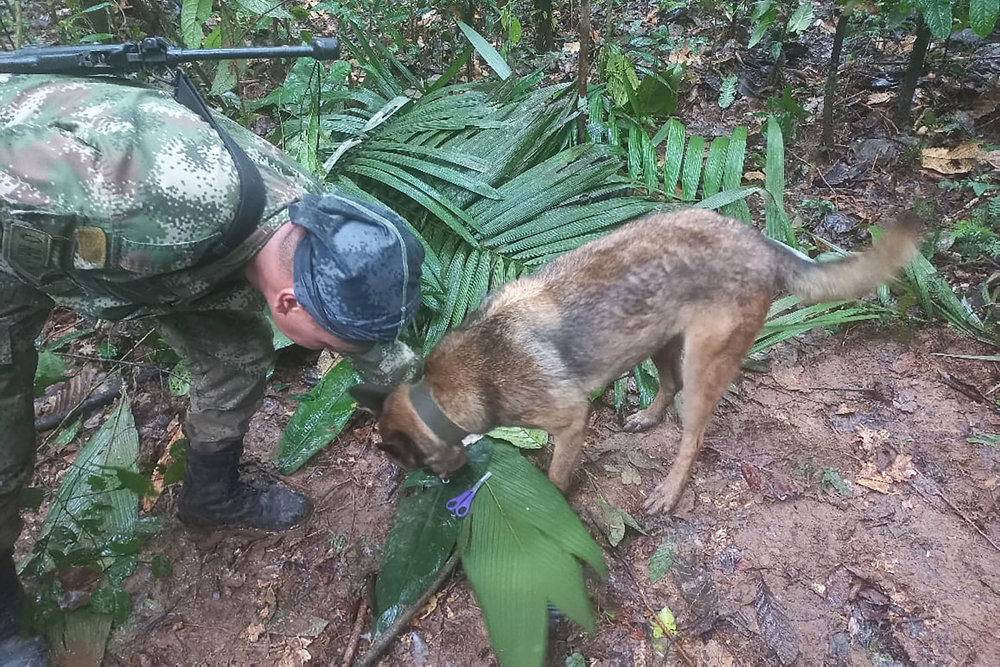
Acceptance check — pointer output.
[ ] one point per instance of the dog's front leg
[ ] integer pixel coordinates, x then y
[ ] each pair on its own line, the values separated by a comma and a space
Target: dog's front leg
567, 446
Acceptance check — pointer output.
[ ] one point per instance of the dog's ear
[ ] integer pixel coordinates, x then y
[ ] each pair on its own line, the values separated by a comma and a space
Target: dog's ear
370, 397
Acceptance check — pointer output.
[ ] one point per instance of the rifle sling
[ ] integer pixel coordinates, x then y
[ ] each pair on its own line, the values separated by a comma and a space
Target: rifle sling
251, 204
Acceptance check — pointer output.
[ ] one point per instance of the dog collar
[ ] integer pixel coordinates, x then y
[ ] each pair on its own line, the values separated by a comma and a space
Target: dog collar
430, 413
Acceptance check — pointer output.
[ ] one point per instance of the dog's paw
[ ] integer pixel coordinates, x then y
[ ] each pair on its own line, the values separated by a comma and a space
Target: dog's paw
663, 498
641, 421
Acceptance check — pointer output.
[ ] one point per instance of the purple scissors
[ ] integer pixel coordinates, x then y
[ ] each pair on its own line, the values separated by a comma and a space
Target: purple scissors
459, 505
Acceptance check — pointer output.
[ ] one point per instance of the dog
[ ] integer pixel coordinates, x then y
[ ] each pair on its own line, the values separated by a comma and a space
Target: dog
688, 289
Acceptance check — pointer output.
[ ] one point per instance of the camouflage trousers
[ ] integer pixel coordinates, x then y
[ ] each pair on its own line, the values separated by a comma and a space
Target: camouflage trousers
227, 354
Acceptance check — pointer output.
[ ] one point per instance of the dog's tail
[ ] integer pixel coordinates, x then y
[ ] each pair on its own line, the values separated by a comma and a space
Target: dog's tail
852, 276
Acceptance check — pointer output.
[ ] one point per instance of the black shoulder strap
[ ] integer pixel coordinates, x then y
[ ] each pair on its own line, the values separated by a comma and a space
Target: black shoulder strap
251, 205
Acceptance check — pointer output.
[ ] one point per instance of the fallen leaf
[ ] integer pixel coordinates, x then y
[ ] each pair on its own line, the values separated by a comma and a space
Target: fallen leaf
664, 623
643, 461
776, 630
754, 176
958, 160
571, 47
630, 475
429, 608
879, 98
879, 485
843, 409
254, 631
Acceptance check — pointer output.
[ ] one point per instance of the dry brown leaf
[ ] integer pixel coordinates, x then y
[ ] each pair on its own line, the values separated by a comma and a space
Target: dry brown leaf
902, 468
879, 485
958, 160
254, 631
870, 439
985, 104
844, 409
429, 608
175, 433
754, 176
571, 47
879, 98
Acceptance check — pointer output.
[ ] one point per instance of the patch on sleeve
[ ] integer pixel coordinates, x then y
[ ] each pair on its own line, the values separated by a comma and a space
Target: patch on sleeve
91, 248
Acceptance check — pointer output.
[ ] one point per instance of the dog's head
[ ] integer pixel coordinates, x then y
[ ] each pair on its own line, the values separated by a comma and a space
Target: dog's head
405, 436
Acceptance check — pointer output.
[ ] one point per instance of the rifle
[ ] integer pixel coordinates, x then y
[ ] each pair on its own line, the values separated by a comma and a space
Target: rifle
156, 52
144, 55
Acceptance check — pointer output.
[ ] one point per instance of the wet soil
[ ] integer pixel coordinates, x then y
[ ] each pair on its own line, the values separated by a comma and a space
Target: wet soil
897, 567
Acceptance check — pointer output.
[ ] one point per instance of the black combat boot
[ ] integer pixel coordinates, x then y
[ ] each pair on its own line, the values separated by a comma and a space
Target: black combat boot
212, 495
15, 651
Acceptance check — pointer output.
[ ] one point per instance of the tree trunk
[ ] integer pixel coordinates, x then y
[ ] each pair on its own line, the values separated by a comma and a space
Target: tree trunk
831, 77
543, 25
583, 69
904, 103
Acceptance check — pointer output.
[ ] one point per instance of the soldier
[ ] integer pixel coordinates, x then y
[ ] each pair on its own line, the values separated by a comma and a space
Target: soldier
115, 201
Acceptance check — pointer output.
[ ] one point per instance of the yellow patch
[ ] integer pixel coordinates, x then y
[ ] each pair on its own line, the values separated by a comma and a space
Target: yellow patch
91, 246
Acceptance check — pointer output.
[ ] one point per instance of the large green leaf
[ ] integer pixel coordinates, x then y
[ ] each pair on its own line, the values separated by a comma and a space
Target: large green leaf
520, 546
777, 225
486, 50
422, 537
937, 14
193, 15
983, 16
319, 418
90, 503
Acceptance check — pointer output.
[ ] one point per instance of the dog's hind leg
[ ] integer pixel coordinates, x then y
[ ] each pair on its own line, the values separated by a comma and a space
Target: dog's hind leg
668, 365
714, 348
567, 445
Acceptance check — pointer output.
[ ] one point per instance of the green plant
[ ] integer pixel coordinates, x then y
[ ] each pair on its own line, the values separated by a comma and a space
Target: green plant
91, 539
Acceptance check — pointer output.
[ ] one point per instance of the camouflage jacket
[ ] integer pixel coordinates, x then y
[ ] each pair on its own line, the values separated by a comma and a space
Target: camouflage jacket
111, 192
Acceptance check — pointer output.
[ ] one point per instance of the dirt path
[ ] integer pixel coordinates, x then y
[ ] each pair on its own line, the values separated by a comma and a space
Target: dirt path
893, 574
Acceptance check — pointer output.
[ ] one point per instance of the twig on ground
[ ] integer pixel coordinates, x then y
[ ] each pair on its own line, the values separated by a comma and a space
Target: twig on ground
87, 405
367, 596
378, 647
958, 512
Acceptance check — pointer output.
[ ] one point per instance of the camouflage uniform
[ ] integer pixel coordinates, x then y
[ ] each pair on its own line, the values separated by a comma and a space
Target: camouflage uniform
110, 194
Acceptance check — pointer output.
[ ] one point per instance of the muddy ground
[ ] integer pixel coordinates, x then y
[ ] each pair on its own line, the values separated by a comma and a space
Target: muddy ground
903, 571
837, 515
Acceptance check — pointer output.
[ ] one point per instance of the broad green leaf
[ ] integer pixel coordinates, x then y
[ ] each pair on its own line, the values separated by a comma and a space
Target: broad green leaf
576, 660
65, 436
486, 50
422, 537
260, 8
674, 156
635, 134
801, 18
664, 624
937, 14
113, 510
179, 380
193, 15
520, 544
50, 369
650, 170
764, 21
522, 438
727, 92
112, 601
647, 383
732, 176
777, 225
714, 166
691, 174
318, 419
983, 16
661, 560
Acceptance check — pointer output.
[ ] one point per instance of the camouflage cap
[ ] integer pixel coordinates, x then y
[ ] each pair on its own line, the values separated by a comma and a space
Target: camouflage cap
357, 268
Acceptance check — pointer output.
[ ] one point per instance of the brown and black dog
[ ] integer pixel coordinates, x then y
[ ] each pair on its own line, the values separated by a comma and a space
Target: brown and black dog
689, 289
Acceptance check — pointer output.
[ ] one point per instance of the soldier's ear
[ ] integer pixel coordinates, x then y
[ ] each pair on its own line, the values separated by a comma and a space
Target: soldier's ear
370, 397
